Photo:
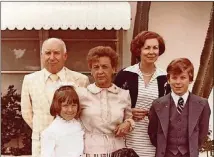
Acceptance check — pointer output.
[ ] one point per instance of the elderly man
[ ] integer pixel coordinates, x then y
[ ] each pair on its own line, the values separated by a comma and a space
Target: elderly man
38, 88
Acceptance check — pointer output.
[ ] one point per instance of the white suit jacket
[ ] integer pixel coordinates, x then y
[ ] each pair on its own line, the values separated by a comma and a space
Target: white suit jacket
35, 106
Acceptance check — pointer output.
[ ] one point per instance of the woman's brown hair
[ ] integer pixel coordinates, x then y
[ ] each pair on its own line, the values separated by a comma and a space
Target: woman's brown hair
102, 51
138, 42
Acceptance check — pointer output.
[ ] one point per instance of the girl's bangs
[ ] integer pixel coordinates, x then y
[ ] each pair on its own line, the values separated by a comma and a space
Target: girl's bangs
69, 96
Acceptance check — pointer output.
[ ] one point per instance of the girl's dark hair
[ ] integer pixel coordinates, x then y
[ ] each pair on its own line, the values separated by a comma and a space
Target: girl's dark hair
124, 152
64, 93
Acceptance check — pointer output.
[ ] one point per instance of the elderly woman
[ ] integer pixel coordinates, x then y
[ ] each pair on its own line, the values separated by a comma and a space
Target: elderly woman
145, 82
106, 109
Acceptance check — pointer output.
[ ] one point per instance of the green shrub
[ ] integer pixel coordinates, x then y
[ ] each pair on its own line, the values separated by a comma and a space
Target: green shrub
12, 124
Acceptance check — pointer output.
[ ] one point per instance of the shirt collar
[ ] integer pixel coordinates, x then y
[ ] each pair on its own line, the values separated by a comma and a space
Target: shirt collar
61, 74
95, 89
176, 97
65, 121
136, 69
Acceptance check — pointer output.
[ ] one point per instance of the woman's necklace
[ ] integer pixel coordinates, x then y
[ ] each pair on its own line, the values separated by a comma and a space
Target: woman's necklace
147, 74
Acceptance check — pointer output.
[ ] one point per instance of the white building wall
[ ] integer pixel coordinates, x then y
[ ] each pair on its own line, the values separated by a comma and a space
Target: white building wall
127, 37
183, 25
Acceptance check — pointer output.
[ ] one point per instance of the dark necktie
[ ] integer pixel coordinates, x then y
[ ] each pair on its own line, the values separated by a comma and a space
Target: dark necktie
180, 106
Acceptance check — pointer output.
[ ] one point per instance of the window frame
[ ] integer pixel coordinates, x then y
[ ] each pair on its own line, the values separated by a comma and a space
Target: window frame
44, 34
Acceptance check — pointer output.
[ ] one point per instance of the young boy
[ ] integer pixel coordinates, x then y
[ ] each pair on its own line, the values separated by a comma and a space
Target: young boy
179, 121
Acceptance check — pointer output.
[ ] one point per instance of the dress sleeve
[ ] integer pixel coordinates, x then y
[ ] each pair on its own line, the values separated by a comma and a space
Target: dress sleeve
48, 142
128, 111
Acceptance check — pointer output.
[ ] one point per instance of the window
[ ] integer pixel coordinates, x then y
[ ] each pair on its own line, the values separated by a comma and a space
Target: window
79, 42
21, 51
20, 55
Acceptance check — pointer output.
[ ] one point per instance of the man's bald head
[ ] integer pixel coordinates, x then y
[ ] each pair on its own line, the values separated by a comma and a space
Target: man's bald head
54, 55
55, 40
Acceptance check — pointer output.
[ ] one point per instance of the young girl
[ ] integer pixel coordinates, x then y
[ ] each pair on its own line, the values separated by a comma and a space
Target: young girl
64, 136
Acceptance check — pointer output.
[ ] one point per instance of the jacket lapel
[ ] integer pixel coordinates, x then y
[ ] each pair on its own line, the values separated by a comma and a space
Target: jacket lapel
162, 110
133, 88
70, 76
195, 109
41, 85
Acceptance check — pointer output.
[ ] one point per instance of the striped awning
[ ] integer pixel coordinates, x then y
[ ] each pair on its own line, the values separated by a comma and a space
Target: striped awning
65, 15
